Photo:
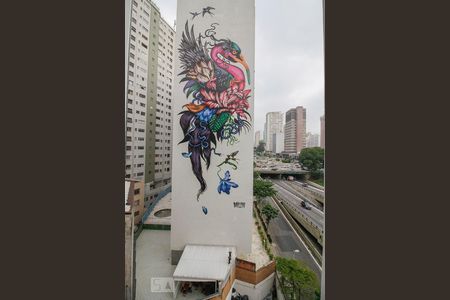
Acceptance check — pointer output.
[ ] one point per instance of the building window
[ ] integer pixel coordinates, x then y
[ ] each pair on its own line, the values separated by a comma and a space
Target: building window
136, 213
137, 191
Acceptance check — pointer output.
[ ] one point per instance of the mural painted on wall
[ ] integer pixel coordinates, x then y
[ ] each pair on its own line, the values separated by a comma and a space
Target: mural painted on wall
216, 75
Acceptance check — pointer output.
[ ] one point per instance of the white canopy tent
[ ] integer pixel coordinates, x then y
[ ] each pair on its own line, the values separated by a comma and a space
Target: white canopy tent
204, 263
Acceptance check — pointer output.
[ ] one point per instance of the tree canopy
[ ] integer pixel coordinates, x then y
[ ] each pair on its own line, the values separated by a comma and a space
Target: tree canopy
313, 159
270, 212
263, 188
297, 279
261, 147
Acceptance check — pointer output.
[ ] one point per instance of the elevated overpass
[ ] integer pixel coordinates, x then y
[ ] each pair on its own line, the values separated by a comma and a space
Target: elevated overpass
281, 172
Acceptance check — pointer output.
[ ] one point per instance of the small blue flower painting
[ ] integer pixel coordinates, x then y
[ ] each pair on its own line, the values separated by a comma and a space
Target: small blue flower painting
226, 184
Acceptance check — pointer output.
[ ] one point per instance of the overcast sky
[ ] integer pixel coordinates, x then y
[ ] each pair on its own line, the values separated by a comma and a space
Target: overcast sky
289, 66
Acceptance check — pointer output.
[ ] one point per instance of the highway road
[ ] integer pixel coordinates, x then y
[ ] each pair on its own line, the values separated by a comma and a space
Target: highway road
315, 215
286, 240
294, 189
309, 187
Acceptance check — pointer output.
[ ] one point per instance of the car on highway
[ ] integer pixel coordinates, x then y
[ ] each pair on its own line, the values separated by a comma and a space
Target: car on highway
304, 184
305, 205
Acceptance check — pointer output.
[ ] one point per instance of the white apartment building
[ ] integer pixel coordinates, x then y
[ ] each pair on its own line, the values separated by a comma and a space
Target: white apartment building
136, 102
274, 132
312, 140
148, 104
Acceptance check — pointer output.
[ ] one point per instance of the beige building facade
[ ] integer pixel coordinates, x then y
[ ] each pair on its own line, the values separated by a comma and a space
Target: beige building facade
130, 281
136, 199
295, 130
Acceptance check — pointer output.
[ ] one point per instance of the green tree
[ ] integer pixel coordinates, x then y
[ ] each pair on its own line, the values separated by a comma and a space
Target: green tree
297, 280
313, 158
263, 188
270, 212
261, 147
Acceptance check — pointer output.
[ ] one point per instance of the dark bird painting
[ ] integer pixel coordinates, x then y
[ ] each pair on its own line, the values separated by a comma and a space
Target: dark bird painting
207, 10
194, 14
215, 76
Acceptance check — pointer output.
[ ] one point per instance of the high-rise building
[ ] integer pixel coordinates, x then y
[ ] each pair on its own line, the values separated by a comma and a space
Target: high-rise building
211, 198
312, 140
148, 103
257, 138
274, 132
322, 132
295, 130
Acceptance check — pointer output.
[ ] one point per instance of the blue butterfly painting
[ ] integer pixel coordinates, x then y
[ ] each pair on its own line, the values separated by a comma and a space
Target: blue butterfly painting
226, 184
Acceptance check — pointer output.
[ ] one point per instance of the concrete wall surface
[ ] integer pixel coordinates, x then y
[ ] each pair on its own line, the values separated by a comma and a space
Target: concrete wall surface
221, 214
255, 292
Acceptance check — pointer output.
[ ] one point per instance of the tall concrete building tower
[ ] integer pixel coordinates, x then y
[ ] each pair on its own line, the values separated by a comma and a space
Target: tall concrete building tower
274, 132
257, 138
213, 205
212, 158
295, 130
149, 79
322, 132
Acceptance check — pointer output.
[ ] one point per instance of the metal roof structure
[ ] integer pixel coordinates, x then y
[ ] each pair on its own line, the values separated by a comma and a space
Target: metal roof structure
204, 263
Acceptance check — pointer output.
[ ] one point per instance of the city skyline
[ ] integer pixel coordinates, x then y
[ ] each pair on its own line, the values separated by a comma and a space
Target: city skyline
300, 63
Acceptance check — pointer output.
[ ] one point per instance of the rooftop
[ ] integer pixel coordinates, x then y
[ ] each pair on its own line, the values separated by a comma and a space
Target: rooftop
163, 205
153, 260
